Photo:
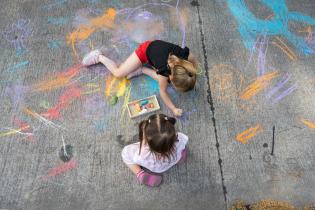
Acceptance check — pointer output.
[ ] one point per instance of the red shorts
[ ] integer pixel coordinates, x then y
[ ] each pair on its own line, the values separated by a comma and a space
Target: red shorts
141, 52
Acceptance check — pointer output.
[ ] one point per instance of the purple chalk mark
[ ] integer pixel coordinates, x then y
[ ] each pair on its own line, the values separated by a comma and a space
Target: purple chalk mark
252, 53
261, 56
185, 117
17, 33
285, 93
17, 94
93, 105
182, 26
279, 85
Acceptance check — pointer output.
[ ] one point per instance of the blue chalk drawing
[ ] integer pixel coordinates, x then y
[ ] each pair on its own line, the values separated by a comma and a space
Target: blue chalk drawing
250, 26
54, 44
56, 3
18, 66
57, 21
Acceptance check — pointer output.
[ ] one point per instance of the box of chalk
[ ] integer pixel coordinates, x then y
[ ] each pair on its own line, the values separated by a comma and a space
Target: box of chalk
143, 106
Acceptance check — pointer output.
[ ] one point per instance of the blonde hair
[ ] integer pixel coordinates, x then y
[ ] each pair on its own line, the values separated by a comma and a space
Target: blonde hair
183, 73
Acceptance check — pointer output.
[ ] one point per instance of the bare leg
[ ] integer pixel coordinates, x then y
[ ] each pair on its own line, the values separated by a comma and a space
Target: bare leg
132, 63
134, 168
150, 72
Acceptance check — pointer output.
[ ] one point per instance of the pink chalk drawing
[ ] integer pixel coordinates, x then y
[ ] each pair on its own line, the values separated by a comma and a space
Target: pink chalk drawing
17, 33
64, 101
61, 169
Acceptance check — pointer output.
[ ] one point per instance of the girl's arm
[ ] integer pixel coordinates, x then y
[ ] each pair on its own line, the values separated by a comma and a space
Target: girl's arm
166, 98
150, 72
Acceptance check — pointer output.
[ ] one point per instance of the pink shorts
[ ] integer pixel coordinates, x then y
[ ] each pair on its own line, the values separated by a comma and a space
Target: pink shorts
141, 52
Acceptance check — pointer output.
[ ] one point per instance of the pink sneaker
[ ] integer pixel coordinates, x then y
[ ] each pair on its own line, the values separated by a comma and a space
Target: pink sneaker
183, 157
91, 58
136, 73
151, 180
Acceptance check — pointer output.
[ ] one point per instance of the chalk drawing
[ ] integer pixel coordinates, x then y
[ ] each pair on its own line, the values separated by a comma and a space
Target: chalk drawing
93, 106
41, 118
44, 104
248, 134
57, 20
279, 86
84, 31
62, 79
55, 44
250, 26
308, 123
54, 4
61, 169
17, 33
17, 95
64, 101
226, 82
285, 48
258, 85
15, 131
184, 119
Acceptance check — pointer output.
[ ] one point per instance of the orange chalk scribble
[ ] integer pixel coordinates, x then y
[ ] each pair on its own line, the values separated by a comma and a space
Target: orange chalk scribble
248, 134
84, 31
62, 79
282, 46
308, 123
258, 85
64, 101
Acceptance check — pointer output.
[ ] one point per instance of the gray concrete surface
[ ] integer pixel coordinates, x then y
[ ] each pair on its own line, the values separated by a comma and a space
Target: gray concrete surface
233, 95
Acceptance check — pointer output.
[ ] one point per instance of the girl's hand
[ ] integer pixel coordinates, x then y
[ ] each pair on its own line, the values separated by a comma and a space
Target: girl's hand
177, 112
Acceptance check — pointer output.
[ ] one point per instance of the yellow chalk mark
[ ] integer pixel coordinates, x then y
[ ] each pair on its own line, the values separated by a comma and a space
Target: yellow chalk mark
308, 123
91, 85
115, 86
14, 131
92, 91
84, 31
258, 85
126, 101
110, 81
122, 87
248, 134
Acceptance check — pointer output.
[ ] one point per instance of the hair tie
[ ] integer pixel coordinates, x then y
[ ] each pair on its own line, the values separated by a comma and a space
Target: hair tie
149, 120
165, 118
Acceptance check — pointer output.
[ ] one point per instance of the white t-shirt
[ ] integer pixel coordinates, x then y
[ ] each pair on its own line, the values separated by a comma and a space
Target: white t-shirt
130, 155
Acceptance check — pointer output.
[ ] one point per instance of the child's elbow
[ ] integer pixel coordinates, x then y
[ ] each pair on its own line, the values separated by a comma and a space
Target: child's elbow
118, 74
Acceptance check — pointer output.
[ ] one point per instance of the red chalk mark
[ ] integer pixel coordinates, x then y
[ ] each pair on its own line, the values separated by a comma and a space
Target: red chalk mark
61, 169
64, 101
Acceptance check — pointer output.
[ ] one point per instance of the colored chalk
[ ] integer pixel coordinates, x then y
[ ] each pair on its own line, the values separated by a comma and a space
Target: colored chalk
144, 102
113, 100
147, 106
143, 106
137, 107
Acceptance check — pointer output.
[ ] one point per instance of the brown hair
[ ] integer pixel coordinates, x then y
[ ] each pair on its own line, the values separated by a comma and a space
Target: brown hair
159, 133
183, 73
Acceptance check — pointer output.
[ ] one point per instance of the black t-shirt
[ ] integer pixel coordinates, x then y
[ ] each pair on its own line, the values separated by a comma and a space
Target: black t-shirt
158, 52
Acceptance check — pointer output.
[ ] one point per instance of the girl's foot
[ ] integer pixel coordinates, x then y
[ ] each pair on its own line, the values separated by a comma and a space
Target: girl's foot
151, 180
136, 73
183, 157
91, 58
